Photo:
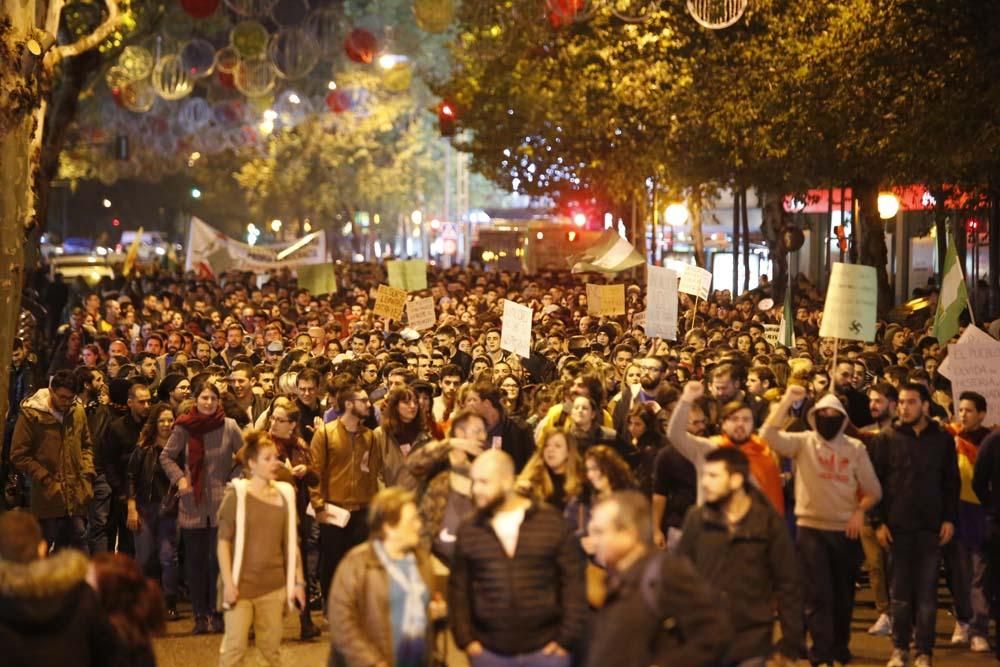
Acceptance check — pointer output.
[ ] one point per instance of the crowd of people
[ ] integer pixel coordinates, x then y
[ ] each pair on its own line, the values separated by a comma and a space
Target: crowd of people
243, 448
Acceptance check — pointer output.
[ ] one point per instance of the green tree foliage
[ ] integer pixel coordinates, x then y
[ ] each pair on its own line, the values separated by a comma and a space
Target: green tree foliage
795, 95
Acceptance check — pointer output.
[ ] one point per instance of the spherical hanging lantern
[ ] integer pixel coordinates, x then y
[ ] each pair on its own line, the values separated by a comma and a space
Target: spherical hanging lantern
226, 79
565, 12
229, 113
398, 78
634, 11
116, 77
261, 103
226, 59
199, 9
792, 238
195, 113
136, 61
292, 107
170, 80
198, 58
338, 101
328, 26
290, 12
293, 52
251, 7
138, 96
361, 46
434, 15
255, 77
717, 14
249, 38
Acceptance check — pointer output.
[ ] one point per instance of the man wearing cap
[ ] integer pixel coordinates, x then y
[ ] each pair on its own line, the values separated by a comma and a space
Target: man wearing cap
273, 352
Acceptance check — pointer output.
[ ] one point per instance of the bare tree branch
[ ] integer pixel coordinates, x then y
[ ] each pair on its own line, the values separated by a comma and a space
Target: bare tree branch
54, 56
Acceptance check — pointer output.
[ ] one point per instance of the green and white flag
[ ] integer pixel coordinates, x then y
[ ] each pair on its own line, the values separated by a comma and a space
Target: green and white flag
610, 254
952, 299
786, 330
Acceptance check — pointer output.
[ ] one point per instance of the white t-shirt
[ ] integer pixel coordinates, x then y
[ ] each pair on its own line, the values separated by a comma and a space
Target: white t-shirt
507, 526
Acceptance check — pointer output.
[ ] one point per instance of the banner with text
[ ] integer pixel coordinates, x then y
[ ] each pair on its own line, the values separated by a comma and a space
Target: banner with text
211, 251
661, 302
851, 303
389, 302
976, 367
420, 313
695, 281
972, 334
605, 300
515, 329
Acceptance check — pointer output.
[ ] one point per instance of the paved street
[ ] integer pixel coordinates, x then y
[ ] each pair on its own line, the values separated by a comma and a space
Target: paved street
179, 649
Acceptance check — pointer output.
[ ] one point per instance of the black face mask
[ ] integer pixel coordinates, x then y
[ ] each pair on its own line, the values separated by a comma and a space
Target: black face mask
828, 426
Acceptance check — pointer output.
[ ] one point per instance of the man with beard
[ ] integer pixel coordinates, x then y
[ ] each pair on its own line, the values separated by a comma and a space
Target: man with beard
234, 348
737, 431
852, 399
653, 369
725, 388
516, 590
965, 555
668, 613
348, 463
916, 463
109, 509
882, 399
835, 486
738, 541
444, 404
444, 338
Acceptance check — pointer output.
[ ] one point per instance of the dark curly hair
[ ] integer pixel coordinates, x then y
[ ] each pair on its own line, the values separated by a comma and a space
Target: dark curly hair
612, 466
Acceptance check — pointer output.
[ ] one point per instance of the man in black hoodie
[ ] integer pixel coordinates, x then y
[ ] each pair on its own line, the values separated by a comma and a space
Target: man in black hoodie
48, 613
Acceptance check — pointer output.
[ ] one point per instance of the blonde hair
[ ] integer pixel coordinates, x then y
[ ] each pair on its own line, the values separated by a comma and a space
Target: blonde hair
535, 480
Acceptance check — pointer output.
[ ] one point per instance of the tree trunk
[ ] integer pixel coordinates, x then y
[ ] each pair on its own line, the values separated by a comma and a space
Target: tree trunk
737, 228
696, 233
773, 213
746, 239
871, 234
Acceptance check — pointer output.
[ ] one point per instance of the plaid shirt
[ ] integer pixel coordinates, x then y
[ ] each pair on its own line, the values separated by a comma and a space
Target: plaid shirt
220, 466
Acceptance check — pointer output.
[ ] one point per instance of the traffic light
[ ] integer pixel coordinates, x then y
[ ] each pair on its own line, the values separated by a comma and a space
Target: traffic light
446, 118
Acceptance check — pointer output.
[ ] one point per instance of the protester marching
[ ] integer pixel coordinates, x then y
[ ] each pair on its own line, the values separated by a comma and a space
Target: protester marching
452, 466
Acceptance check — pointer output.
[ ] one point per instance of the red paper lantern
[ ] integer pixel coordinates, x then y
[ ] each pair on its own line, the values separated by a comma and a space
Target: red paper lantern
338, 101
360, 46
199, 9
226, 79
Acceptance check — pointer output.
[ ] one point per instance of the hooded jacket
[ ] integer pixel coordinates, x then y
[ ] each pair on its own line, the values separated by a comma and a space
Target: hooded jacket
56, 452
50, 616
829, 473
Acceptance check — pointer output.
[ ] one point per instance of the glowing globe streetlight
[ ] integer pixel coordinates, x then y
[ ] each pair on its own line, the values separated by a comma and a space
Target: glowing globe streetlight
888, 205
677, 214
276, 225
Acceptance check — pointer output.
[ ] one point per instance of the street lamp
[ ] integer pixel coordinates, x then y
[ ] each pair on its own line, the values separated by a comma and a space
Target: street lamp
276, 226
417, 217
195, 193
677, 214
888, 205
106, 203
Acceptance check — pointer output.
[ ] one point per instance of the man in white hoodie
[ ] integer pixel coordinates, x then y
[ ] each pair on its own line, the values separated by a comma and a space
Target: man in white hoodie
835, 484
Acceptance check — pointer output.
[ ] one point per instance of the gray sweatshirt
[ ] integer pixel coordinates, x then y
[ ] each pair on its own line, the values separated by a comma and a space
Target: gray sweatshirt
829, 474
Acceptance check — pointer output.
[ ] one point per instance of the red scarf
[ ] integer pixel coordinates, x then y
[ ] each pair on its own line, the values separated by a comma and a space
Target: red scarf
763, 468
197, 425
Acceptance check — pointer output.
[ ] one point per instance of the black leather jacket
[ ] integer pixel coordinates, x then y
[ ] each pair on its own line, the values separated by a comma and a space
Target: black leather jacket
147, 483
